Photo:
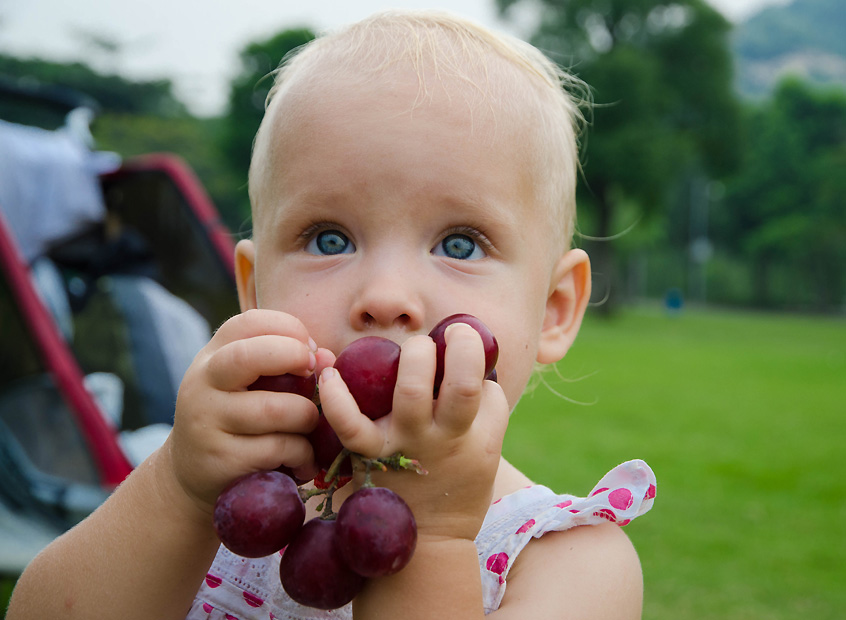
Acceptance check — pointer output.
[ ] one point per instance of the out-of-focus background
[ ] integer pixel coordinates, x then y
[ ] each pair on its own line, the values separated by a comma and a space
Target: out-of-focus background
713, 205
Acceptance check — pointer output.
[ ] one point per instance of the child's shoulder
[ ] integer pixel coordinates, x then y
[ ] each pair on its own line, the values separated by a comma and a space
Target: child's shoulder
564, 552
589, 571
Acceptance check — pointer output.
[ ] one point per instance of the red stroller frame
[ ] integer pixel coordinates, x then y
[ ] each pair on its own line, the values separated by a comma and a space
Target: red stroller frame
58, 360
61, 453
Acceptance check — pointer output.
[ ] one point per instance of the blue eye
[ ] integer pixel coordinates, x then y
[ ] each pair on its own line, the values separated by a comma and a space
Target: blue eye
329, 243
460, 247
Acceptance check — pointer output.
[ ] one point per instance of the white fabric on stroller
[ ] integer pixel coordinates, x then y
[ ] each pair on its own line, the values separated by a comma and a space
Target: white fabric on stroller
49, 188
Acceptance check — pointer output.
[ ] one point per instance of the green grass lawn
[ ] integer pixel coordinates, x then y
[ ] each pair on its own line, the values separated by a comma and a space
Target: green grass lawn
741, 416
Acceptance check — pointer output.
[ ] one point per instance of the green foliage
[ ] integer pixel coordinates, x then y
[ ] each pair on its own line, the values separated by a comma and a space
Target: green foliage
247, 97
740, 416
786, 203
112, 92
7, 584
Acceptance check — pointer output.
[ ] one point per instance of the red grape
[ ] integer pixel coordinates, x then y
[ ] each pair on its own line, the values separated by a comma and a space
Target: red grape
295, 384
369, 368
313, 572
327, 446
488, 341
376, 532
258, 514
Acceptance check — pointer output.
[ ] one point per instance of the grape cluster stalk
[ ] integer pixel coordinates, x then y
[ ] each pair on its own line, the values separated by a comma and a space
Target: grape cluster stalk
327, 560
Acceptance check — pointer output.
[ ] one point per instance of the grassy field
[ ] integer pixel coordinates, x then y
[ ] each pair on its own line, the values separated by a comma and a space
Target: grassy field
742, 418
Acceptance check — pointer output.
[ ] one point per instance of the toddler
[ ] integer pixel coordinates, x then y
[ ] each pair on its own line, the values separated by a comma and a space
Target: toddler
409, 167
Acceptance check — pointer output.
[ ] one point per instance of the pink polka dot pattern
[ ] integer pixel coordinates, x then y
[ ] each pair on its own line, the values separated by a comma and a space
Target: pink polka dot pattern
626, 492
497, 563
253, 600
650, 492
620, 499
608, 515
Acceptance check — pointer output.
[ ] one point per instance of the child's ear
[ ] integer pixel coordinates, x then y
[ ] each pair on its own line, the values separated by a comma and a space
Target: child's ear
569, 293
245, 274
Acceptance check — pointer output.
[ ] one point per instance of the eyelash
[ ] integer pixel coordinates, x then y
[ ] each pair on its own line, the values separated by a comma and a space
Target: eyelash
474, 233
312, 230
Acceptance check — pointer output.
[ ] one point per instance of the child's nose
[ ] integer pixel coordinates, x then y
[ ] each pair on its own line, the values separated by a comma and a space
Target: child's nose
387, 299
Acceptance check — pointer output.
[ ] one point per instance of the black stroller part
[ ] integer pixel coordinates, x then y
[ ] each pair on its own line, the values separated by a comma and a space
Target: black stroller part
146, 196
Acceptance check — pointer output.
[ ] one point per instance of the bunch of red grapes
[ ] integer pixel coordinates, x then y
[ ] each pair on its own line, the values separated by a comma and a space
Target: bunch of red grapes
328, 559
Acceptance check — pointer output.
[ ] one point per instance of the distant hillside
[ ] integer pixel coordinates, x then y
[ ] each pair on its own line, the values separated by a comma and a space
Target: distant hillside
806, 37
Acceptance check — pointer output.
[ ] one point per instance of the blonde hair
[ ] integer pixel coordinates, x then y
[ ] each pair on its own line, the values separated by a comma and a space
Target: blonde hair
444, 45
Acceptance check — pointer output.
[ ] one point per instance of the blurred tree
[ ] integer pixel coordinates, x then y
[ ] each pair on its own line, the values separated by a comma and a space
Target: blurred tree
247, 96
661, 75
112, 92
786, 206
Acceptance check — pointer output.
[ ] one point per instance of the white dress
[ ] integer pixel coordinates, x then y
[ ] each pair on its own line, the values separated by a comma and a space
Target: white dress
239, 588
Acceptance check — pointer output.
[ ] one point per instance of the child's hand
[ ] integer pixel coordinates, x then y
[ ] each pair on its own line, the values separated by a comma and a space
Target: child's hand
457, 438
221, 430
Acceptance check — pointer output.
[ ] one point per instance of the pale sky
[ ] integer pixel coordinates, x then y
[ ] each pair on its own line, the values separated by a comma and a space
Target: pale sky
195, 43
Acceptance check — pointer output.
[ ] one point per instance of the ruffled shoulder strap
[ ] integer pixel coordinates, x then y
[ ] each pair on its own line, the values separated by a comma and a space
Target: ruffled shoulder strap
624, 493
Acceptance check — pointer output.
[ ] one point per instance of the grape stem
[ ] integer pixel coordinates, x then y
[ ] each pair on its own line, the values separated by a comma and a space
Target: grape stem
335, 467
397, 462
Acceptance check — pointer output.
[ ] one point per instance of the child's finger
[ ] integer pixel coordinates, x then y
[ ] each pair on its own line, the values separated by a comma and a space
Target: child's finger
461, 390
274, 449
495, 412
325, 358
237, 364
258, 322
356, 431
412, 403
261, 412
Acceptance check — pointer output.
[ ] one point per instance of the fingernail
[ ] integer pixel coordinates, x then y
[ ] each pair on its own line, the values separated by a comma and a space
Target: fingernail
452, 327
312, 345
312, 361
328, 373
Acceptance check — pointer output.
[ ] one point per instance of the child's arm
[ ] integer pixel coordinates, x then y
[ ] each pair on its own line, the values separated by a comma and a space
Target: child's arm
144, 553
